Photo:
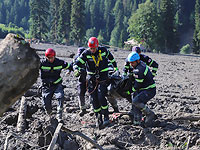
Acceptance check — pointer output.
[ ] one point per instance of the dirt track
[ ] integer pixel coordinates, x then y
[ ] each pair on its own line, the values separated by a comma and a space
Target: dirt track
178, 94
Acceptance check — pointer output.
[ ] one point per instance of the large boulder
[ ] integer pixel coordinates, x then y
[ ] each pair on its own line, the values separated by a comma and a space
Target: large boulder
19, 69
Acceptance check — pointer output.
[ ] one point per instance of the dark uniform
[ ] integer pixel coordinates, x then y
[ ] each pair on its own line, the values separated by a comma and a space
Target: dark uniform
151, 63
97, 71
82, 82
52, 83
144, 89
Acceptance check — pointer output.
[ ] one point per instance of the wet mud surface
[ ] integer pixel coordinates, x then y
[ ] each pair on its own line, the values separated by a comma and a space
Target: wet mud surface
178, 94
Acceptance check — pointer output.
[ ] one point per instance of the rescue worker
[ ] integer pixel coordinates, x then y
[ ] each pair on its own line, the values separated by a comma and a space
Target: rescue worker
97, 60
82, 83
144, 89
150, 62
52, 82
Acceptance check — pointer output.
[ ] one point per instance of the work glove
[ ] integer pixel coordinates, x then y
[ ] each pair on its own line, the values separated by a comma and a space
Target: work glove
76, 73
116, 73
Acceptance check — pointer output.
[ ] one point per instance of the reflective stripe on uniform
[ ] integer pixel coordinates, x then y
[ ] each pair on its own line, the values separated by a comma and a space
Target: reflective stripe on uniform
103, 54
133, 89
150, 63
88, 72
104, 107
155, 69
106, 69
139, 80
107, 54
97, 110
127, 67
146, 70
149, 87
112, 60
57, 81
154, 74
88, 56
81, 60
128, 92
45, 68
67, 66
57, 67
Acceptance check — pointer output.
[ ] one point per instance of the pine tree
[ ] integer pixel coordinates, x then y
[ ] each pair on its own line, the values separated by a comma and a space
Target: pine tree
38, 16
77, 22
108, 18
64, 20
54, 17
167, 12
196, 36
118, 13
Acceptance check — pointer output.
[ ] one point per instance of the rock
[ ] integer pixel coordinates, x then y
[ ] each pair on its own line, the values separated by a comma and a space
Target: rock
72, 145
19, 69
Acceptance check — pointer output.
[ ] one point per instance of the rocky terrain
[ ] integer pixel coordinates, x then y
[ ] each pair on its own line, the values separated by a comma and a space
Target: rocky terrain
177, 105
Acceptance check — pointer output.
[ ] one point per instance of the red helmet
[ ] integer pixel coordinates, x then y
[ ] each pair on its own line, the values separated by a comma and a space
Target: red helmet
50, 52
93, 42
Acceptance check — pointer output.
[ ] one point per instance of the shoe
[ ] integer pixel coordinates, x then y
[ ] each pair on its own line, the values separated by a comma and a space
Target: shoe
150, 118
82, 112
106, 121
99, 120
137, 123
59, 116
116, 109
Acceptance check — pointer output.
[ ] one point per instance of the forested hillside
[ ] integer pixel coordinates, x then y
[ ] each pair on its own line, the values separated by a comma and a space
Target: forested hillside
159, 24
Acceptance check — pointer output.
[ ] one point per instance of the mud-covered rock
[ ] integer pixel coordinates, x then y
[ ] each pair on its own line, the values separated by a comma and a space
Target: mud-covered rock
19, 65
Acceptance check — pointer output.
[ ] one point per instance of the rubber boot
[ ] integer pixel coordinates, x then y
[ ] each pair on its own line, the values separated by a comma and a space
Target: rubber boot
116, 109
136, 115
59, 114
150, 116
99, 120
106, 121
82, 105
82, 112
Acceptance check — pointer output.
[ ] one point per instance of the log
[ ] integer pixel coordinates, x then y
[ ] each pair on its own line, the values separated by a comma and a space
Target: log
21, 123
6, 141
82, 136
19, 69
55, 136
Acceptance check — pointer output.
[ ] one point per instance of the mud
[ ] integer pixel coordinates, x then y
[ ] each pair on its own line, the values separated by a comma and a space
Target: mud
178, 93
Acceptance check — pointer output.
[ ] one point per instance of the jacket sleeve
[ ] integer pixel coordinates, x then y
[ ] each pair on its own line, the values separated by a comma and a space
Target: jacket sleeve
67, 65
112, 60
80, 62
151, 63
139, 78
126, 67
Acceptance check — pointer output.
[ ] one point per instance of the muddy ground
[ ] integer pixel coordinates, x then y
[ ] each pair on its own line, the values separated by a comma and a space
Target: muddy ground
178, 93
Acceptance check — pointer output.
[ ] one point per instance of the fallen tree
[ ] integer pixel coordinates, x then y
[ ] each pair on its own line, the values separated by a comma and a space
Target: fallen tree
19, 69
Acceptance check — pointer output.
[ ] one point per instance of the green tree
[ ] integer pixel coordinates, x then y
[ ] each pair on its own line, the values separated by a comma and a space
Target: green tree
77, 22
196, 35
119, 15
108, 18
167, 12
38, 16
64, 20
144, 25
54, 17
